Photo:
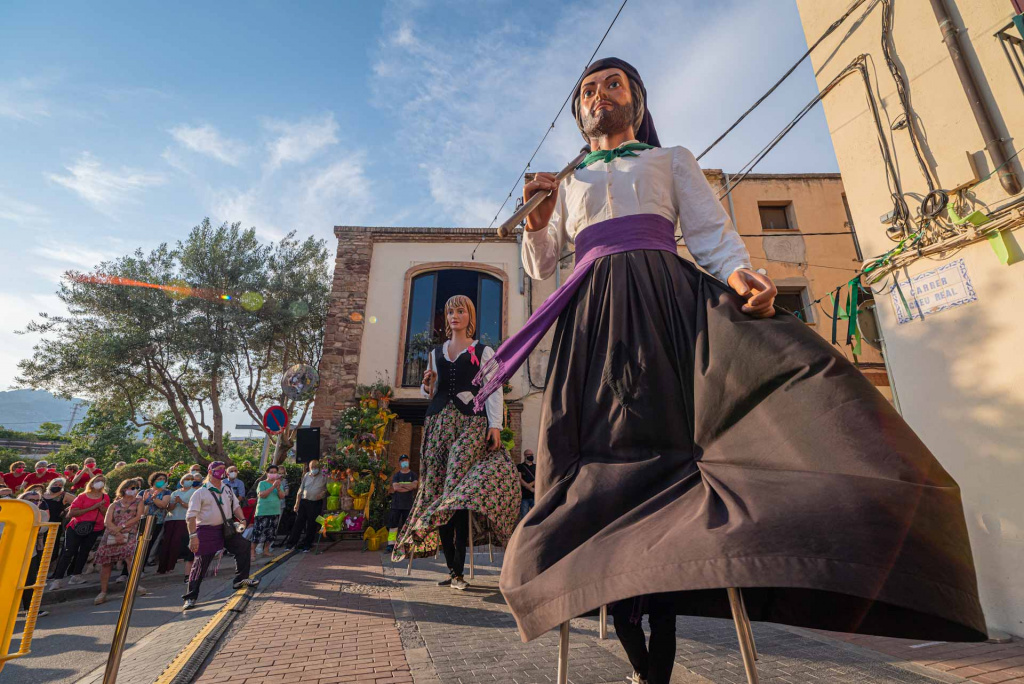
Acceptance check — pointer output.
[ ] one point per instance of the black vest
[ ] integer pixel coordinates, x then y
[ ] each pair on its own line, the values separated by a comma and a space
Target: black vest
453, 379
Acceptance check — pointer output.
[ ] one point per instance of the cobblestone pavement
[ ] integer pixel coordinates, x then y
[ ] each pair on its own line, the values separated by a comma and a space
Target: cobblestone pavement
471, 637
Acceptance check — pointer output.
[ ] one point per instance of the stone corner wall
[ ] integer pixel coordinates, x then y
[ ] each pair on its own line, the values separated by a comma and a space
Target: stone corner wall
339, 367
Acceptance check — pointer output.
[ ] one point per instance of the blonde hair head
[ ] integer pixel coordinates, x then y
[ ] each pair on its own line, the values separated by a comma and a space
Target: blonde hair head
466, 303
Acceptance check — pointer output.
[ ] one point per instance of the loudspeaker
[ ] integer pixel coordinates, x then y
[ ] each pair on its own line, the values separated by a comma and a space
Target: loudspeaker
307, 444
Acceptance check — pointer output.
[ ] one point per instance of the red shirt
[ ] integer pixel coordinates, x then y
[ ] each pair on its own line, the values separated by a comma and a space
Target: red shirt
82, 482
13, 480
34, 478
96, 516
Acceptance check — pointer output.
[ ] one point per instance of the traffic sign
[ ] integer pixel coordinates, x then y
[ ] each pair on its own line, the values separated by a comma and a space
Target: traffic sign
275, 420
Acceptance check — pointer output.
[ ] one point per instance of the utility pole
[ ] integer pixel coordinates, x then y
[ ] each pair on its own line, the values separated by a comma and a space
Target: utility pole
74, 412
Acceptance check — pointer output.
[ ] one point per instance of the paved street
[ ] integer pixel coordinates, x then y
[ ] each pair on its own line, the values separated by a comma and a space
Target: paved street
74, 639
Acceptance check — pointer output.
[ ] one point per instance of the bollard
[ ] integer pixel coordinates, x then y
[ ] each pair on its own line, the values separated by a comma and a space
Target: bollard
127, 603
743, 634
602, 627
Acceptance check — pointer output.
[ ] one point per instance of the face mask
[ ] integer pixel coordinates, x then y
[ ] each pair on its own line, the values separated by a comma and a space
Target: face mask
232, 476
40, 471
195, 483
272, 476
159, 484
219, 474
131, 492
314, 471
19, 471
55, 489
97, 486
404, 464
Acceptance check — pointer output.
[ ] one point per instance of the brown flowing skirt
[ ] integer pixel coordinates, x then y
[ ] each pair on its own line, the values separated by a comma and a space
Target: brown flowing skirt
686, 448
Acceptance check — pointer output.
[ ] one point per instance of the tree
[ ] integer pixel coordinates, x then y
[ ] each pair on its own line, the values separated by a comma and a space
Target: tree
49, 431
182, 330
107, 433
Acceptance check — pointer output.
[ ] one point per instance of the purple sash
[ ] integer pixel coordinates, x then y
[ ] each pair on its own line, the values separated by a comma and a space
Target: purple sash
614, 236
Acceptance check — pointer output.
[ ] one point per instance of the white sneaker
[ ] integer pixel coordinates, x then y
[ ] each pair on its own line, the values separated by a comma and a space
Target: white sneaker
121, 579
102, 598
259, 549
76, 580
141, 590
54, 585
459, 583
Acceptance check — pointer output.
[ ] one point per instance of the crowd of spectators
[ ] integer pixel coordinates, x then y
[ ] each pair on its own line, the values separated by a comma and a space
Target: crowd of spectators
98, 533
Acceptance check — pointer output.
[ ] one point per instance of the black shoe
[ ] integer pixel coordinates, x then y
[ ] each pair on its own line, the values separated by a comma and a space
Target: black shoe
445, 582
248, 582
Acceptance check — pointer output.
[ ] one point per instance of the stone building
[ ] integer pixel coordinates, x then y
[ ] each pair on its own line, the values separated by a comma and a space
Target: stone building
390, 284
958, 374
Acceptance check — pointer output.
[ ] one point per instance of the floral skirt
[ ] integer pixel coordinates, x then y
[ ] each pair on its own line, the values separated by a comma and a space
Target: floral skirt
109, 554
458, 472
263, 528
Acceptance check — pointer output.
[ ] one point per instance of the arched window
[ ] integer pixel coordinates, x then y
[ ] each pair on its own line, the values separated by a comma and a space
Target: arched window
427, 294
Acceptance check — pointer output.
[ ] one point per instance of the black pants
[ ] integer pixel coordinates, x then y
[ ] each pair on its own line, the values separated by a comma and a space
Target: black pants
305, 521
454, 536
154, 542
237, 546
653, 660
75, 553
33, 573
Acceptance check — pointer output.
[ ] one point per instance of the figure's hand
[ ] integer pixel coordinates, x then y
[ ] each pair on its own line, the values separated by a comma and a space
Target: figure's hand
428, 379
759, 291
193, 544
539, 217
493, 439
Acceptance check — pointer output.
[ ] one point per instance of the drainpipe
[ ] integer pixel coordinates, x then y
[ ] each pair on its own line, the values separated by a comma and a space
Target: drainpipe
732, 210
994, 144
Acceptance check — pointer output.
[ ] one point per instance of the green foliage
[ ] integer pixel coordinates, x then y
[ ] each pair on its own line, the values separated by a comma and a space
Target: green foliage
186, 350
49, 431
106, 434
165, 447
239, 452
118, 475
7, 457
362, 486
21, 436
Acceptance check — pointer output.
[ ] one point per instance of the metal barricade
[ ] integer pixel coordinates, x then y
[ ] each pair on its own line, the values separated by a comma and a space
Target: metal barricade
20, 524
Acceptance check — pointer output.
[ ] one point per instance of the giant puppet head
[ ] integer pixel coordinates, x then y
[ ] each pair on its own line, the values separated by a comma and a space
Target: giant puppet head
611, 96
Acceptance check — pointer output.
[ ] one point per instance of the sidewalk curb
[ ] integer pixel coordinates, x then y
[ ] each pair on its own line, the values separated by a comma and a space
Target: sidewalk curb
190, 659
90, 589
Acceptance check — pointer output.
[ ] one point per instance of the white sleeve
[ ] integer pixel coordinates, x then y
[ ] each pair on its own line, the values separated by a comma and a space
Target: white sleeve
495, 403
706, 228
194, 505
541, 248
430, 366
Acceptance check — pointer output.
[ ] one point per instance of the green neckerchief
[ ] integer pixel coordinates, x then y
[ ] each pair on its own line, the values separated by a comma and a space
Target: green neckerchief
627, 150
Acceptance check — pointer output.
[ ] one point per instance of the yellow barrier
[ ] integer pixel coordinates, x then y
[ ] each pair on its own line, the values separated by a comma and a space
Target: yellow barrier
20, 523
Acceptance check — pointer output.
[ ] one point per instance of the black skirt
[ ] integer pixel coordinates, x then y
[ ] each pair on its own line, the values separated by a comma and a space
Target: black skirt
686, 447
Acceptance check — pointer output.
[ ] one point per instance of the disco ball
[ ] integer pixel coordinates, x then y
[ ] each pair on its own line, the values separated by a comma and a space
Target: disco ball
300, 382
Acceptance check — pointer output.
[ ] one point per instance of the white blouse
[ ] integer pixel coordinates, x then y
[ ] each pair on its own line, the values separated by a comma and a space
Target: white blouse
495, 403
665, 181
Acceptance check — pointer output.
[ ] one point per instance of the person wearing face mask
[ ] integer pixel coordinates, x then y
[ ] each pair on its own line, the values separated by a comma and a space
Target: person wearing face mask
156, 499
175, 543
236, 484
80, 479
527, 474
269, 495
16, 475
404, 484
209, 510
43, 475
57, 499
85, 525
33, 497
309, 503
6, 493
120, 533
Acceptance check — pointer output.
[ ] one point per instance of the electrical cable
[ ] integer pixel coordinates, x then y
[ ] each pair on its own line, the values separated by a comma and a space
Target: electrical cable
826, 34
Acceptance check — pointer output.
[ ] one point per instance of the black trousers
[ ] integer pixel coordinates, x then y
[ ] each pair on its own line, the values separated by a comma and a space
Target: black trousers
33, 573
75, 553
454, 537
653, 660
237, 546
305, 521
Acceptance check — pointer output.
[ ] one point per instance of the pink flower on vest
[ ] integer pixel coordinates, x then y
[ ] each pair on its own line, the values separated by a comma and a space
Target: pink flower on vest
472, 355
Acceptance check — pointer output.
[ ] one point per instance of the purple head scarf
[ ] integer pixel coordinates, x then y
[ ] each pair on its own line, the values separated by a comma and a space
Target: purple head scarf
645, 133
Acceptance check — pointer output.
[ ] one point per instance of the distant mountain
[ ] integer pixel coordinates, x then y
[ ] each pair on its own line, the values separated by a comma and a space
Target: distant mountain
26, 409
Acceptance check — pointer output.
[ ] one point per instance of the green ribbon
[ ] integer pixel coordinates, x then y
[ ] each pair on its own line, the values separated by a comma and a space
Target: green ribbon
627, 150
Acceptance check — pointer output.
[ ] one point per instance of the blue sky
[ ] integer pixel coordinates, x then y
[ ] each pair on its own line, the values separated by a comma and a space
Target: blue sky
123, 124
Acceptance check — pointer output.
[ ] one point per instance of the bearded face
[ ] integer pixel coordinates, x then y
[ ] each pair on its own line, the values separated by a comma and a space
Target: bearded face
609, 118
606, 105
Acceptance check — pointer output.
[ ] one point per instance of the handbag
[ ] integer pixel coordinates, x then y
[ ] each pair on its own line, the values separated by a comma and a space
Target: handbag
83, 528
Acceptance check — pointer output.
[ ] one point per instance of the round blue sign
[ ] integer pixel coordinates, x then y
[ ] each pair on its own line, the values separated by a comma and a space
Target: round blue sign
275, 419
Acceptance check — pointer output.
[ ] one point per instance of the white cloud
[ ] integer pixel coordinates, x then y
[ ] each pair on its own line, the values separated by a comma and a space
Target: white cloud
21, 100
19, 310
207, 140
104, 189
299, 142
23, 214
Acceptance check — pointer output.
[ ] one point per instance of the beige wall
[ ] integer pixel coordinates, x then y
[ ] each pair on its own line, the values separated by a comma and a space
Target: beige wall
958, 375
